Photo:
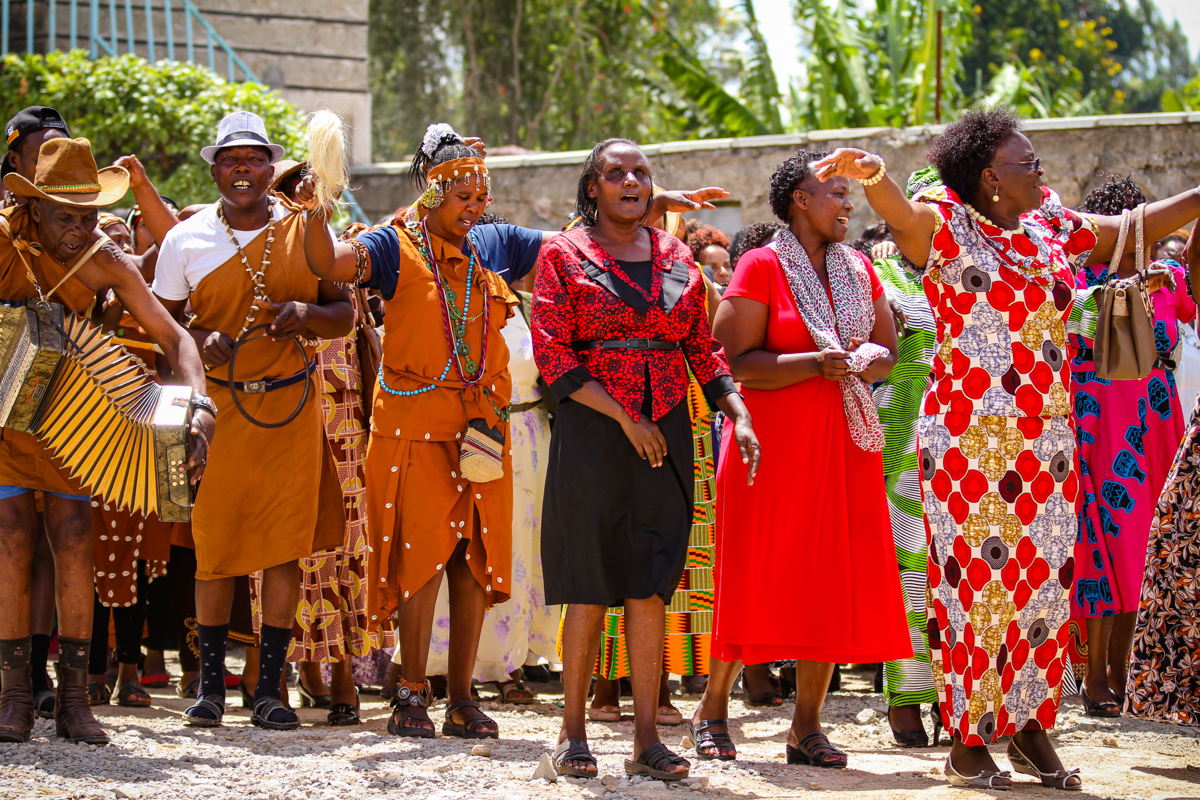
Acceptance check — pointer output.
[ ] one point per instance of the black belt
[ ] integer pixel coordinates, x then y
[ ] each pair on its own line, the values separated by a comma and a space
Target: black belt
267, 384
517, 408
625, 344
1167, 364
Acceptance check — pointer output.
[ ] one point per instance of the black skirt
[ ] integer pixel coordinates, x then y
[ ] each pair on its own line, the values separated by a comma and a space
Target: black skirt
613, 527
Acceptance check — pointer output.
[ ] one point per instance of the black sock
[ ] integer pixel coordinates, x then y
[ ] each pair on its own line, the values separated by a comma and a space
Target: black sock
38, 655
271, 658
14, 653
73, 653
213, 640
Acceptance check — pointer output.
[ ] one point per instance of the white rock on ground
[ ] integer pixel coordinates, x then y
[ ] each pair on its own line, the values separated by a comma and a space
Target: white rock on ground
156, 755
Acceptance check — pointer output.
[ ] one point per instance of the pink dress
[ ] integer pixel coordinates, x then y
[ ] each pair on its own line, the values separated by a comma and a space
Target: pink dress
1128, 434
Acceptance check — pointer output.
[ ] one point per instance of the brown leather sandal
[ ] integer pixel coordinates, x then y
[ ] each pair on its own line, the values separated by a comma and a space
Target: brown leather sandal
516, 693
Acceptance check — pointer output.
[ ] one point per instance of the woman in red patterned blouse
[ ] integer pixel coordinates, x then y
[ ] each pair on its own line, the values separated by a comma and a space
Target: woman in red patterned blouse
618, 317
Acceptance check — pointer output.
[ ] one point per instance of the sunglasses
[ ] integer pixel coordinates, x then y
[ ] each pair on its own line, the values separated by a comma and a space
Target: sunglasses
1033, 166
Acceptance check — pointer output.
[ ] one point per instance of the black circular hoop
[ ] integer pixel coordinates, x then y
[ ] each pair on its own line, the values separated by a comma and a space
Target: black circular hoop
232, 386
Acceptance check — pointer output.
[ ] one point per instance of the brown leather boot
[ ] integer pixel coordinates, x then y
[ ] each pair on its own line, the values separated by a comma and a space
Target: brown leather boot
73, 718
16, 705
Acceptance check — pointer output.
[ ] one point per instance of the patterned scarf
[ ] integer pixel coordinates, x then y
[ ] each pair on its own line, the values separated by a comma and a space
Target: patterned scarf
852, 316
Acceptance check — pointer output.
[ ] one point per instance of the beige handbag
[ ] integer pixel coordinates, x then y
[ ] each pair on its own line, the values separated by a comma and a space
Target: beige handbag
1124, 346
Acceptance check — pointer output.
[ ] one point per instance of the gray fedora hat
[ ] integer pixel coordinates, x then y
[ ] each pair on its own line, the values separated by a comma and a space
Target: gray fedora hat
240, 128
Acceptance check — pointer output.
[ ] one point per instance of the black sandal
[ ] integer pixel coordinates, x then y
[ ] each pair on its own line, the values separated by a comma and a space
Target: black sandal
817, 754
189, 690
470, 728
132, 695
706, 740
410, 704
98, 694
343, 715
264, 707
213, 704
575, 750
1104, 708
43, 703
653, 761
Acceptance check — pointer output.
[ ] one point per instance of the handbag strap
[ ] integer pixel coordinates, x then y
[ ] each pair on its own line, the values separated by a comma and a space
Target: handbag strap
1119, 251
1139, 237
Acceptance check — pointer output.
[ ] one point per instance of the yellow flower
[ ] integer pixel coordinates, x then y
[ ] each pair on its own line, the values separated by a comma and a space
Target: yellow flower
1035, 54
1062, 59
1062, 23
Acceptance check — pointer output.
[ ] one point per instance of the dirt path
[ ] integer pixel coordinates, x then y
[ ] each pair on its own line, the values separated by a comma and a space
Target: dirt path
154, 756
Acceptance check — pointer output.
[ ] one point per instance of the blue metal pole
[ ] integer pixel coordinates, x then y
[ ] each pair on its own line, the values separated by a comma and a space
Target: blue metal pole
129, 25
149, 31
113, 27
4, 32
52, 39
191, 48
28, 26
170, 31
74, 23
212, 54
93, 26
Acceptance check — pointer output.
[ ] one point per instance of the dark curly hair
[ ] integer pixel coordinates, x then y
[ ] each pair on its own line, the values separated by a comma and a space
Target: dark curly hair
586, 208
1113, 196
751, 237
789, 175
968, 146
706, 236
873, 235
490, 218
448, 148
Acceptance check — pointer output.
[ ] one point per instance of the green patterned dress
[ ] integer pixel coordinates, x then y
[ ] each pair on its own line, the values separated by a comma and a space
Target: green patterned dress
909, 681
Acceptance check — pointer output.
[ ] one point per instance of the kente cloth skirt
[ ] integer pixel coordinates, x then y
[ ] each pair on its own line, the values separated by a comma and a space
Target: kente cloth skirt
613, 527
1000, 497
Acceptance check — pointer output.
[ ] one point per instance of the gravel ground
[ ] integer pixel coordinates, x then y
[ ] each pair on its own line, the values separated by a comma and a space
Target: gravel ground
154, 756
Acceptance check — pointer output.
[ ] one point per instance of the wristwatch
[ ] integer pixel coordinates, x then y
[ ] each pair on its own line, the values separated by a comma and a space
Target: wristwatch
205, 402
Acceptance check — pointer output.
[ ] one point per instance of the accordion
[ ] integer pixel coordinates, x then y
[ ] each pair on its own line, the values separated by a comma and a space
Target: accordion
96, 408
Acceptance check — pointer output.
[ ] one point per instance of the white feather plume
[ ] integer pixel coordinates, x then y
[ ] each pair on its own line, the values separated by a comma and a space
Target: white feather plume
325, 138
434, 135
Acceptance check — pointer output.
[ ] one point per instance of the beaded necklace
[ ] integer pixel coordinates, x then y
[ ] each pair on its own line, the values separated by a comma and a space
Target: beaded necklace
256, 278
454, 325
453, 320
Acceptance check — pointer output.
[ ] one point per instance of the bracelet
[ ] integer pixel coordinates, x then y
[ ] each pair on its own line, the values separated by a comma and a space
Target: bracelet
362, 261
205, 402
879, 173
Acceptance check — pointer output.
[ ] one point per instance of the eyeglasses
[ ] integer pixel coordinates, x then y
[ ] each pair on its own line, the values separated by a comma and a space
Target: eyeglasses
1033, 166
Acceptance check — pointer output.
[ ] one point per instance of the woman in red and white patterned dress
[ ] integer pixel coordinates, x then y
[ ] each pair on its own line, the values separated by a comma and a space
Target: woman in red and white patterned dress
998, 251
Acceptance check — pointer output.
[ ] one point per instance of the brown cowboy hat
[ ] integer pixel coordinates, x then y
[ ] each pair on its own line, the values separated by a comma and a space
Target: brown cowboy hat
284, 169
67, 174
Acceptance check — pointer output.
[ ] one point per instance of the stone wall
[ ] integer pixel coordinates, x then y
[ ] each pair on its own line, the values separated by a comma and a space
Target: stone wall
1163, 150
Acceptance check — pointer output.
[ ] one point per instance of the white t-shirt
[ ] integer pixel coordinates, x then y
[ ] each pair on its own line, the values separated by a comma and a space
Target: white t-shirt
196, 247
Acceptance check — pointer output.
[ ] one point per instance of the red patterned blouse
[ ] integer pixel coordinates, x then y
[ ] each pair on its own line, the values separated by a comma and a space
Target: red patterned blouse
582, 295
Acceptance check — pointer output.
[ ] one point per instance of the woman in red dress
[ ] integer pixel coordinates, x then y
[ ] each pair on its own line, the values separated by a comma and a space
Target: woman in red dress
807, 329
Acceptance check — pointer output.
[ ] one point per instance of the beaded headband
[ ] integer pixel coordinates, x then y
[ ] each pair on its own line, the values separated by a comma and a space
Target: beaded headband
442, 177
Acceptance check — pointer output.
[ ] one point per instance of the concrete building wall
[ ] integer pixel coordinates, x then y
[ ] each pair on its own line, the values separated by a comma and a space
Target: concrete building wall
1163, 150
313, 51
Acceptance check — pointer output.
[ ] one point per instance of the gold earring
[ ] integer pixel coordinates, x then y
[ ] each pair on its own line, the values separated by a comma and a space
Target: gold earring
996, 194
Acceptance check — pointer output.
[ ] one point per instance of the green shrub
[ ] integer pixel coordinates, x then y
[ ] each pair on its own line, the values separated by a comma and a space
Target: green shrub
163, 113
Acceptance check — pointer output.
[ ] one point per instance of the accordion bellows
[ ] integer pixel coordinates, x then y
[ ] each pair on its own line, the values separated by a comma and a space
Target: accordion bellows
97, 408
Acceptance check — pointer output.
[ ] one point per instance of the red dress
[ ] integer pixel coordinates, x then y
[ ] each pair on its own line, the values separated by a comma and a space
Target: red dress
805, 565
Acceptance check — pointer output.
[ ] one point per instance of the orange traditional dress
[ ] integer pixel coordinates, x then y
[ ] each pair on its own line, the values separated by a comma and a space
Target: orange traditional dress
24, 462
269, 495
420, 503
